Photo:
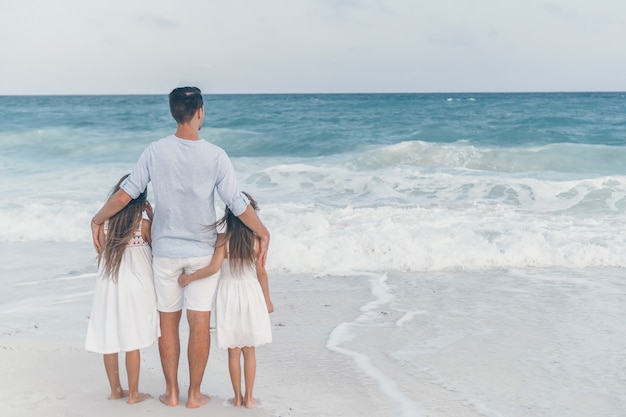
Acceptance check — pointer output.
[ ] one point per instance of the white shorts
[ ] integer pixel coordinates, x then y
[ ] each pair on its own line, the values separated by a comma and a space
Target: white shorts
171, 297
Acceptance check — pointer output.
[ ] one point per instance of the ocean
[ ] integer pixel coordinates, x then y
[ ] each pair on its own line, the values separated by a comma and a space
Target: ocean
369, 182
458, 213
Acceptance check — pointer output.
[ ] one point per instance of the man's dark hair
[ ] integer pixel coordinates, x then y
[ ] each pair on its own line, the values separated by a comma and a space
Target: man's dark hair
184, 102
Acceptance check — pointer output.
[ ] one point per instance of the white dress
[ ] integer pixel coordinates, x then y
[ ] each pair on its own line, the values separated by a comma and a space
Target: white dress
241, 317
124, 314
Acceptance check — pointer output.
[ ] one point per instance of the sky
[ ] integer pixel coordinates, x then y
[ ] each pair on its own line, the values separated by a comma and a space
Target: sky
311, 46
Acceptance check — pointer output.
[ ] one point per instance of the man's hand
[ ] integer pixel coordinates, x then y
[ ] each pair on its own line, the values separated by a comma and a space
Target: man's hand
250, 219
113, 205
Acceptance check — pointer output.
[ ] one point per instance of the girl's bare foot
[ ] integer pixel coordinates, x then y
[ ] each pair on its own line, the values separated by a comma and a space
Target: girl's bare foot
118, 393
134, 399
197, 400
249, 402
170, 400
236, 402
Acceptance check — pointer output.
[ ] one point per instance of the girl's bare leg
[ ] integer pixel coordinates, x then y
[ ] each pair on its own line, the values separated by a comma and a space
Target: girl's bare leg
234, 368
249, 373
113, 374
133, 361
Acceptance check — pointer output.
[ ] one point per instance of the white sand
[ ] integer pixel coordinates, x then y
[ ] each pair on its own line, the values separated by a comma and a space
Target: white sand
43, 377
46, 371
492, 343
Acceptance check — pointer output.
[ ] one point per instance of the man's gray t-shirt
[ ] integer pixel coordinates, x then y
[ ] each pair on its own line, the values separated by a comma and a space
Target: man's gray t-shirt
184, 176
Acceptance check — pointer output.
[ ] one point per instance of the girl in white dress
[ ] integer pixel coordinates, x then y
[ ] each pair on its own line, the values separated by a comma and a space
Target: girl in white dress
124, 315
242, 300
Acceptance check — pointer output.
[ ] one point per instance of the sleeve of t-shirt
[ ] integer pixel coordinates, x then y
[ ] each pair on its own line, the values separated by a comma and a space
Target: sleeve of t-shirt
138, 180
228, 187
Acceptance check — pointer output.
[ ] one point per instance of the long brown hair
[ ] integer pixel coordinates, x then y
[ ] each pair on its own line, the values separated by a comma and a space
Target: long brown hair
122, 226
240, 239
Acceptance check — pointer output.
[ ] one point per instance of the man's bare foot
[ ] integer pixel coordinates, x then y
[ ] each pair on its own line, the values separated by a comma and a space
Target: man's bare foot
134, 399
197, 400
249, 402
236, 402
118, 393
170, 400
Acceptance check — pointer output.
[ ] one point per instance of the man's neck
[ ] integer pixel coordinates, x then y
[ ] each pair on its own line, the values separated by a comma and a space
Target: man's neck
187, 132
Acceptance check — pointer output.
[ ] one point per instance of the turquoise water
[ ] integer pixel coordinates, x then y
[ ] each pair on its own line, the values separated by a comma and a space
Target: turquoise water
313, 125
497, 180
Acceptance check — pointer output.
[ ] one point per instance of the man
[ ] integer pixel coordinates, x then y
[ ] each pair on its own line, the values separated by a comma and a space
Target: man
185, 171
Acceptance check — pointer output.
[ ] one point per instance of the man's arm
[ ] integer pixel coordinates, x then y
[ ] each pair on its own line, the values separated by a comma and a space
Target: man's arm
228, 190
114, 204
250, 219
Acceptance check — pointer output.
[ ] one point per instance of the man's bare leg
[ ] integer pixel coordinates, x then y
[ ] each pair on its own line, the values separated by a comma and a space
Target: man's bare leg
249, 373
111, 367
133, 363
198, 354
169, 349
234, 369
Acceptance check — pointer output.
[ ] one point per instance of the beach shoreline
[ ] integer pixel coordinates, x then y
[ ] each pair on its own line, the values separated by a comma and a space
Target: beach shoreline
495, 343
49, 373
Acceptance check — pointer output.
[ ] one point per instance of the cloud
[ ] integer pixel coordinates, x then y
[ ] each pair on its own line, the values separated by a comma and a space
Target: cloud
158, 21
121, 46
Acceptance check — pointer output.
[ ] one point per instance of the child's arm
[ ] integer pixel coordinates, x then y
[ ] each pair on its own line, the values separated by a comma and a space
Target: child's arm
145, 231
207, 271
148, 209
146, 224
261, 274
101, 240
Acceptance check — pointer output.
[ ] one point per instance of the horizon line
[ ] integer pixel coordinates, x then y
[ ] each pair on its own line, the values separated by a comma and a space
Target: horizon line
319, 93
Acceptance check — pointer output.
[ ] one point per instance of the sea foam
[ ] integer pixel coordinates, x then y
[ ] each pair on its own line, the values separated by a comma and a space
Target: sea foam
333, 218
352, 183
